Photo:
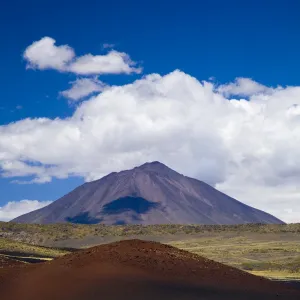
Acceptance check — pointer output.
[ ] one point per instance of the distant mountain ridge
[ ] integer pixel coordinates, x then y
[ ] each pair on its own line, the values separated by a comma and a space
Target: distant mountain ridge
149, 194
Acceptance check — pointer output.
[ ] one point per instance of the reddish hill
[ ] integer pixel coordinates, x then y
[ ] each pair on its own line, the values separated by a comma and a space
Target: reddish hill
135, 269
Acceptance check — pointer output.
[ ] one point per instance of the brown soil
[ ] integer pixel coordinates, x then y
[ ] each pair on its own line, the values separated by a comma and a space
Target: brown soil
135, 269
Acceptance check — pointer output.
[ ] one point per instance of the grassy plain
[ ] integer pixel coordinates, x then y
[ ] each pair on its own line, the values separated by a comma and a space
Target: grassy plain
268, 254
26, 252
266, 250
43, 234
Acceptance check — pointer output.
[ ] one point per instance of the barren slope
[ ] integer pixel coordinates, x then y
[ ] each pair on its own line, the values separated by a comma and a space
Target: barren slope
135, 270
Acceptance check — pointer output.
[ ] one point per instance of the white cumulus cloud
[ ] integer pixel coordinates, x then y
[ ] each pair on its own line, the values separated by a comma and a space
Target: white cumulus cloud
248, 149
83, 87
14, 209
44, 54
242, 87
113, 62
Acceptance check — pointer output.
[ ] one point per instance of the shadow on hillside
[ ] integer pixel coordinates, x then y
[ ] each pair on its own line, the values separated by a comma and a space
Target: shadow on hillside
136, 204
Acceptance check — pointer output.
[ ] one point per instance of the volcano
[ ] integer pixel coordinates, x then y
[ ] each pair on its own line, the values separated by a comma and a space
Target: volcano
149, 194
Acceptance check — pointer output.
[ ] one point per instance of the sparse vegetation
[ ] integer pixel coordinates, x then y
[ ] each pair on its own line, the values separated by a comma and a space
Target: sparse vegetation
267, 250
269, 255
40, 234
26, 252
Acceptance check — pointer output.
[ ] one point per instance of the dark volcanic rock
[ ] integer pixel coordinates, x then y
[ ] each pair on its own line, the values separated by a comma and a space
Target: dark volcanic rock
149, 194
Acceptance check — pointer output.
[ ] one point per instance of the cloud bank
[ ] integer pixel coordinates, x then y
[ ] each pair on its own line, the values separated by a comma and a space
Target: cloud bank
14, 209
246, 148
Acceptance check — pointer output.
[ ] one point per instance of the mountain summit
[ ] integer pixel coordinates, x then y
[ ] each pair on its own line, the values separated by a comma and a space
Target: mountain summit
149, 194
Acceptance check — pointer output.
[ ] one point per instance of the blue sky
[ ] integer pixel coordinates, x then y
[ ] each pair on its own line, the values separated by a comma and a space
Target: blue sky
215, 41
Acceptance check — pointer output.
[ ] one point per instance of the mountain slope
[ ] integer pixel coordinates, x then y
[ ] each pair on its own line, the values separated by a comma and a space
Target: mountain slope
149, 194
